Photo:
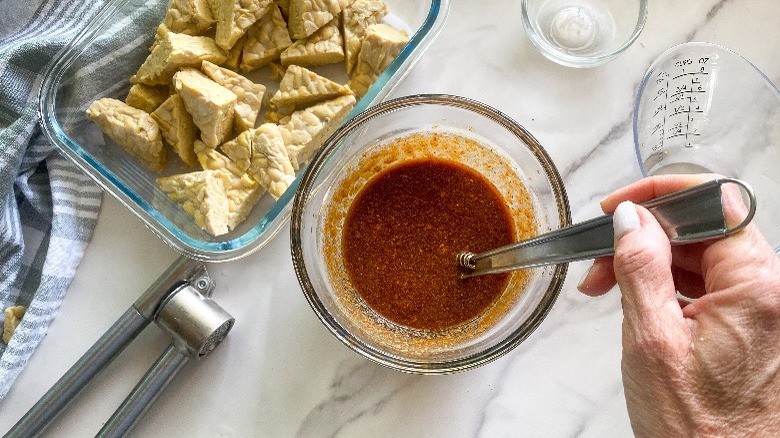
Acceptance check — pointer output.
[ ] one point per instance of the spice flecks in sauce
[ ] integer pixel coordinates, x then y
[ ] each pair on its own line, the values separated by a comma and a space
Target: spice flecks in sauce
490, 162
403, 231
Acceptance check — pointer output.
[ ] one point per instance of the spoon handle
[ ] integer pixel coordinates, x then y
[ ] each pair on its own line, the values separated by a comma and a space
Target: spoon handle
691, 215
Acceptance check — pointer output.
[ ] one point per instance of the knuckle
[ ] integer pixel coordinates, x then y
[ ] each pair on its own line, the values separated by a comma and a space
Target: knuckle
634, 259
767, 300
652, 348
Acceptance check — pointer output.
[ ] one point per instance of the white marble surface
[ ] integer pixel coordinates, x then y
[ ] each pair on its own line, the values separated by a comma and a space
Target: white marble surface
281, 373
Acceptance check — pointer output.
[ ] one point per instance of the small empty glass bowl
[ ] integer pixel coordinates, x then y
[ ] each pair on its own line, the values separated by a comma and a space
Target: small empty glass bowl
495, 146
583, 33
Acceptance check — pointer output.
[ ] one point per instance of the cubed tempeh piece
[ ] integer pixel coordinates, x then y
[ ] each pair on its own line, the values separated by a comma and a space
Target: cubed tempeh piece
308, 16
233, 61
249, 95
159, 35
355, 20
323, 47
176, 51
308, 129
262, 153
234, 17
243, 192
270, 165
132, 128
284, 5
240, 150
278, 115
211, 159
381, 45
265, 41
301, 87
177, 128
13, 317
277, 70
210, 104
188, 16
203, 195
147, 97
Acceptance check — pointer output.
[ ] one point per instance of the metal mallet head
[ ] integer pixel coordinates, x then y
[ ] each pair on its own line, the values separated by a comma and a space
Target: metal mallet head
196, 323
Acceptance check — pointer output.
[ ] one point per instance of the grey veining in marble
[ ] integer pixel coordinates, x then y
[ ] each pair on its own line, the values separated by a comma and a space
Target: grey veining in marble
280, 373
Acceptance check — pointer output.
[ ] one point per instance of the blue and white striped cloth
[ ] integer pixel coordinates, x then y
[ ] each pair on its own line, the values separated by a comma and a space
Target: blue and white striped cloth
48, 208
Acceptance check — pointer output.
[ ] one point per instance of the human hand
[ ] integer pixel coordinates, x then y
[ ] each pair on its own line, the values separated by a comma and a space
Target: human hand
708, 368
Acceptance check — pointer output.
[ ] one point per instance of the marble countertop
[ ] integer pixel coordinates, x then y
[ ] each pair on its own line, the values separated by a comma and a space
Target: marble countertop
281, 373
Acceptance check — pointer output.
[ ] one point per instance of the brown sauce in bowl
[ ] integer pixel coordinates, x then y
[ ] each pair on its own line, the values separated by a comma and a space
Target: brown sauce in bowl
402, 234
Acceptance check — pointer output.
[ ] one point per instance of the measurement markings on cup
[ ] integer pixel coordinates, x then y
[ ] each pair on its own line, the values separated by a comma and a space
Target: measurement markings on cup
681, 105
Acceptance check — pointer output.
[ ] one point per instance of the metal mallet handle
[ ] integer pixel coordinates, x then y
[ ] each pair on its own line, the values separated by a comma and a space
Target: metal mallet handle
107, 348
197, 325
144, 394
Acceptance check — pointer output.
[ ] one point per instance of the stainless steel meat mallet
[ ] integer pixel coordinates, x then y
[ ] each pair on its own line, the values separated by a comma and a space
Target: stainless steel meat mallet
180, 303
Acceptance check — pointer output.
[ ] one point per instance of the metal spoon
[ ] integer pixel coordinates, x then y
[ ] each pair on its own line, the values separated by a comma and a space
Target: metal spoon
691, 215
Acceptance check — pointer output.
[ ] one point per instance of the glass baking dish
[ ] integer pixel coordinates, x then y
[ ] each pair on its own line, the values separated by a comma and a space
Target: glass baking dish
67, 91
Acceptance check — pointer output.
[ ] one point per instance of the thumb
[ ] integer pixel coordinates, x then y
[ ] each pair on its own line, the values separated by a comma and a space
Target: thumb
642, 263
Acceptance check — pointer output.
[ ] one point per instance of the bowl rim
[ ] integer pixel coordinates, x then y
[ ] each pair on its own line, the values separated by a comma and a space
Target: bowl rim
307, 184
551, 53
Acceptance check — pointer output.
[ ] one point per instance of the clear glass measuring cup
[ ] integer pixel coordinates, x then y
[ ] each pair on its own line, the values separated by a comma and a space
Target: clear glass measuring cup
703, 108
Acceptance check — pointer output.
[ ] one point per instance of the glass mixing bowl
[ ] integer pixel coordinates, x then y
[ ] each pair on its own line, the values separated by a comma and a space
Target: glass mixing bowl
498, 148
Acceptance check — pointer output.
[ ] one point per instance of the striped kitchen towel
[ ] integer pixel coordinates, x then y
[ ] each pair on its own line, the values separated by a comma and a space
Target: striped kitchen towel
48, 208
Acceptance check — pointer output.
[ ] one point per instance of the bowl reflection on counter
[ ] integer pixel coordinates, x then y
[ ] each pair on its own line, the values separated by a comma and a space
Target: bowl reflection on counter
487, 141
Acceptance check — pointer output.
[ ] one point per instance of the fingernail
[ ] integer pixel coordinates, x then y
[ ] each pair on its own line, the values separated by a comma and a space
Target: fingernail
583, 278
625, 219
